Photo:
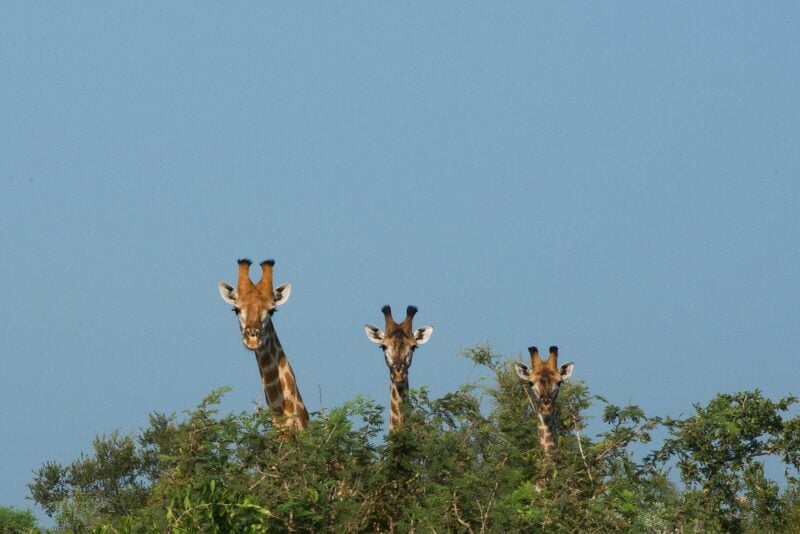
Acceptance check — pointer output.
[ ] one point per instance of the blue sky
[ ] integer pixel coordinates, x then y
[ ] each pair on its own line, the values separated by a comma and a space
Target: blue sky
622, 180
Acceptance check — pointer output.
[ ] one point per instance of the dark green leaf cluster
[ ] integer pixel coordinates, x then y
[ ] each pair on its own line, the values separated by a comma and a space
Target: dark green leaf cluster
466, 462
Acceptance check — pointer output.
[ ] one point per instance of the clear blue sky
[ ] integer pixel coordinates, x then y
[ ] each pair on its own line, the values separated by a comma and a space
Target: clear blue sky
622, 180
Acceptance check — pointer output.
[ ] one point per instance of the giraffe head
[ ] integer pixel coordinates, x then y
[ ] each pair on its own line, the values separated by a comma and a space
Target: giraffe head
254, 304
398, 342
545, 378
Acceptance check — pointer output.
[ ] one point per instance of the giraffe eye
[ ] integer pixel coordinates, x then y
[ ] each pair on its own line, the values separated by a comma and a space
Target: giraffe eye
236, 310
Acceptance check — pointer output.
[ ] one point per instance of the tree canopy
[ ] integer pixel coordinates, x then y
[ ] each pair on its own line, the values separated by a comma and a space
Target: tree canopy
466, 462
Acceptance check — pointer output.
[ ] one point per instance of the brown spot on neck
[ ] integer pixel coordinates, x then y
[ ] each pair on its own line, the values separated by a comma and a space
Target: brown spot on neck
280, 386
397, 393
546, 433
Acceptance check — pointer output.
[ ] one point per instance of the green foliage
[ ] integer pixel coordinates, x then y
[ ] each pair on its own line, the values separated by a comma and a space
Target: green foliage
718, 453
92, 488
466, 462
212, 508
16, 521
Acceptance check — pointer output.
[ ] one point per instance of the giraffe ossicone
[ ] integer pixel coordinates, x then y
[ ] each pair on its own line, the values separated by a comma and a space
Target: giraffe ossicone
398, 342
254, 305
544, 379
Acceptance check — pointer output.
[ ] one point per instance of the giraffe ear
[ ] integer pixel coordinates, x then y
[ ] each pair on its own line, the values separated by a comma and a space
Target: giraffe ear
281, 294
374, 334
566, 370
228, 293
522, 371
423, 334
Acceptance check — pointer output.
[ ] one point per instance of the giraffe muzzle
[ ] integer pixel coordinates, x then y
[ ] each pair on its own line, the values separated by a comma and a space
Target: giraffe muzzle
252, 338
545, 407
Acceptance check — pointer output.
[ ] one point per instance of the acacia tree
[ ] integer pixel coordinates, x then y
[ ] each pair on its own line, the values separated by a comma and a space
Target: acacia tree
719, 453
466, 462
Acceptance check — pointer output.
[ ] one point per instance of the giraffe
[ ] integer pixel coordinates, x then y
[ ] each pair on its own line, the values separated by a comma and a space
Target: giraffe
398, 343
254, 305
545, 378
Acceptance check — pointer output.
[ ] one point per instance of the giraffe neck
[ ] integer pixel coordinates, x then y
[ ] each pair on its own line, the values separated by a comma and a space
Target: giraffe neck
280, 386
397, 391
547, 432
